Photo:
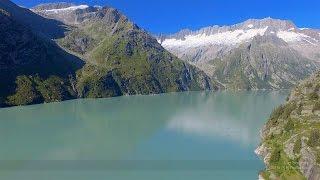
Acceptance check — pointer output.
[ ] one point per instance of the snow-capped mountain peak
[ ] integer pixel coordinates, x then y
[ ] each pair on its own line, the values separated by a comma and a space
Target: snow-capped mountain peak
211, 42
237, 34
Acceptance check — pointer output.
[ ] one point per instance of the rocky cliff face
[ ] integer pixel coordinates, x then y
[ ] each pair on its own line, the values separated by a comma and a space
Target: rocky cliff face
291, 137
84, 52
215, 48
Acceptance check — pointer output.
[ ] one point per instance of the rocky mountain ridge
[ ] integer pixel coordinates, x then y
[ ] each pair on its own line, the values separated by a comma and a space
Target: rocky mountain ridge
237, 34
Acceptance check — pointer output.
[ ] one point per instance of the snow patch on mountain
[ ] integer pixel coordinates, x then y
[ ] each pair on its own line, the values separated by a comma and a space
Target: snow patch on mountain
296, 37
291, 36
71, 8
222, 38
291, 29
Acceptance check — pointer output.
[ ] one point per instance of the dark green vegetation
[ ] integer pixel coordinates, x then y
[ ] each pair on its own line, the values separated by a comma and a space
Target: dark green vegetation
24, 53
291, 137
31, 90
103, 55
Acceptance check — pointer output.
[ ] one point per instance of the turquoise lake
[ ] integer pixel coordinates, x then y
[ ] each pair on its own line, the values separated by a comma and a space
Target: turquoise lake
191, 135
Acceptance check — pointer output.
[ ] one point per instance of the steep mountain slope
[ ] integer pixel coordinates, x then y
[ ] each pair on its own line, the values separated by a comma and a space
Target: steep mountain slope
214, 49
99, 54
291, 137
122, 58
35, 63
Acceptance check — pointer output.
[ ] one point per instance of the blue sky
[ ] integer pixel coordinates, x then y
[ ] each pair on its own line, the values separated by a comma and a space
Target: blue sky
168, 16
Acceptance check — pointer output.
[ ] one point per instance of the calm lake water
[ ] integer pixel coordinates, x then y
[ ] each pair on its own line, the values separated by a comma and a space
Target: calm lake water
192, 135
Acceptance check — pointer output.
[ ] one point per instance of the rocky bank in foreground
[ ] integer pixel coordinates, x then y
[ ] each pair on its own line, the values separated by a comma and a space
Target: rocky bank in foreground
290, 144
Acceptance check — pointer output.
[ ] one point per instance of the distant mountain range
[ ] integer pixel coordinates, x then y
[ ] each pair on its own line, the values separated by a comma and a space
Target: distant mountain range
256, 54
61, 51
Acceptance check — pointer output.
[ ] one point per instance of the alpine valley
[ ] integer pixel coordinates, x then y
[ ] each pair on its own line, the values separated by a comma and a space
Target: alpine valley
62, 51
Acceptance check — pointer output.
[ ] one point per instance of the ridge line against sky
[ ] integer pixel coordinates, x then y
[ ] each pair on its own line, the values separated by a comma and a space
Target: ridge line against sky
170, 16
